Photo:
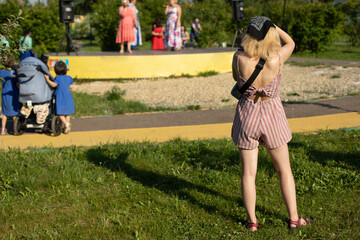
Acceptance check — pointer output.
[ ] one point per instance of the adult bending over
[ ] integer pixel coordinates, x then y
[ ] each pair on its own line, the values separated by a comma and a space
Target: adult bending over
172, 39
260, 117
127, 22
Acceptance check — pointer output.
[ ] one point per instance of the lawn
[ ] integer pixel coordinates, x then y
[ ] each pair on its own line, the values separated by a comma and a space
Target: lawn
177, 190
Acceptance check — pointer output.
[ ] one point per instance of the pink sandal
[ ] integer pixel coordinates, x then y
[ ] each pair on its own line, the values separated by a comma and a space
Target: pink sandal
249, 225
298, 223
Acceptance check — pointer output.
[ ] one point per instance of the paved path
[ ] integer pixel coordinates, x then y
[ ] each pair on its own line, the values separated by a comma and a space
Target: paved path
204, 124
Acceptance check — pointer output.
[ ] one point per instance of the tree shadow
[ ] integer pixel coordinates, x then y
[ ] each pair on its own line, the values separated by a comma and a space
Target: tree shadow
323, 156
168, 184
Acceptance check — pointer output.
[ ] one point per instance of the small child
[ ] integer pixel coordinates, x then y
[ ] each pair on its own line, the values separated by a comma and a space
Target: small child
64, 105
10, 93
158, 34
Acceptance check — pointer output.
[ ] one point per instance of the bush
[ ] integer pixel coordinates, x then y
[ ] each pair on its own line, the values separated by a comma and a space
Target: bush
105, 20
352, 25
43, 21
45, 26
314, 25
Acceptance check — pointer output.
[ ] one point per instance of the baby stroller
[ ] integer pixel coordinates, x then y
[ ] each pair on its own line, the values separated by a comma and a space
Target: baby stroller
37, 97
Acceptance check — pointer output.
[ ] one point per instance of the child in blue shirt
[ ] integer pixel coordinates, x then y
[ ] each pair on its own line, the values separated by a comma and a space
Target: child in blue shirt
10, 105
64, 105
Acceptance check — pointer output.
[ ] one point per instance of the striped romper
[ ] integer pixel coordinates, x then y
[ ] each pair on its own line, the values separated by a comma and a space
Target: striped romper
261, 122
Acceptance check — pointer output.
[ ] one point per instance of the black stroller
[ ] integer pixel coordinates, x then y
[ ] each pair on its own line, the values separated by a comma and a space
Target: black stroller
37, 97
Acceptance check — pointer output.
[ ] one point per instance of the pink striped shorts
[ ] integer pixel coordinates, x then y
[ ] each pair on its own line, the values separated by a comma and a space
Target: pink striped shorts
262, 123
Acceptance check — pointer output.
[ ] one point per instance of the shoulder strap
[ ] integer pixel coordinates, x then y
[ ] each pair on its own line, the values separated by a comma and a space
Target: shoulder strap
258, 68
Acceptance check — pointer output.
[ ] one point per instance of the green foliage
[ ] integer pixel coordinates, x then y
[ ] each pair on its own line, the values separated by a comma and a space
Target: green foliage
352, 26
8, 29
216, 20
42, 20
314, 25
178, 190
45, 26
105, 20
111, 103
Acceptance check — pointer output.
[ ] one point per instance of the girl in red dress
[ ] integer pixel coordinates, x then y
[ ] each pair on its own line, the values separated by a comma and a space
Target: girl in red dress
158, 34
127, 21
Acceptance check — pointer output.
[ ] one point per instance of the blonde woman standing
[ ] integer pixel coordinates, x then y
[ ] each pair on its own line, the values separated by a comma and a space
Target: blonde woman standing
260, 117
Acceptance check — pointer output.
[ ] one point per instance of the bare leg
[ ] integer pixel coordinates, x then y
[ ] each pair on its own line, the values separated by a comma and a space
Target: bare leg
280, 158
122, 47
248, 175
129, 47
3, 122
63, 119
67, 117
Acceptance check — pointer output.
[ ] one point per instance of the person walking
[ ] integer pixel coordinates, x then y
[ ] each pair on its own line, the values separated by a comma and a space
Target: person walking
260, 117
172, 39
125, 33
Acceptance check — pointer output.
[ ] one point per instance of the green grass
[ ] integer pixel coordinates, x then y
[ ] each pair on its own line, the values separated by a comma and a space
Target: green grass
111, 103
177, 190
334, 51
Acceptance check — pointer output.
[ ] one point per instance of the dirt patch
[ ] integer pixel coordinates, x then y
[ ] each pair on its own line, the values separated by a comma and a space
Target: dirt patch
298, 84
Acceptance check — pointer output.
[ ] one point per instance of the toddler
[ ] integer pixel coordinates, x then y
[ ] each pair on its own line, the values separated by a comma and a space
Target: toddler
10, 93
64, 105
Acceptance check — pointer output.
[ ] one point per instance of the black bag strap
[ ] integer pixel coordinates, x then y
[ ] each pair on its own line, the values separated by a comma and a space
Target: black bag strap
258, 68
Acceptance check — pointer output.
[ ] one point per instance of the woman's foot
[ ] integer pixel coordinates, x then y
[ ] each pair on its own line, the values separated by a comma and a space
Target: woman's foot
121, 51
130, 51
3, 131
252, 226
299, 223
67, 128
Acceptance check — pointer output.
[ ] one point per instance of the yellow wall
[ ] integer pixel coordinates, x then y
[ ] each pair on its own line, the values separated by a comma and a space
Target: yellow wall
149, 66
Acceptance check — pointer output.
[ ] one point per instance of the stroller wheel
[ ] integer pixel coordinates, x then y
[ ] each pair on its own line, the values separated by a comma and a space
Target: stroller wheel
56, 125
19, 125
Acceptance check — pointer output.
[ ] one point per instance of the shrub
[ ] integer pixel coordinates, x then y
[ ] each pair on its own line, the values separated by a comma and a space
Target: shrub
105, 20
314, 25
352, 18
45, 26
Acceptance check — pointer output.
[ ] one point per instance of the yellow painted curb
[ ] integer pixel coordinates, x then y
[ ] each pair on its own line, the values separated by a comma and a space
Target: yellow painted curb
148, 66
160, 134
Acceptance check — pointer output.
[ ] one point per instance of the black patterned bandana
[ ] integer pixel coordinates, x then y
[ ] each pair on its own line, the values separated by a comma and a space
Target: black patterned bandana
259, 26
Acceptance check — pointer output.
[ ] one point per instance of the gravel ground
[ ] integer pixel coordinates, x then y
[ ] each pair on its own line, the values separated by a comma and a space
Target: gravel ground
298, 84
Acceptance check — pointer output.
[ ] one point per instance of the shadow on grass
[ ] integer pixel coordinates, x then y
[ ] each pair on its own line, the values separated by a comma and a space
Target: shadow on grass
322, 156
168, 184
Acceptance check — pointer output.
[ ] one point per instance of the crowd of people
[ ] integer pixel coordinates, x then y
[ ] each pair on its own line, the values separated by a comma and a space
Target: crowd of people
11, 106
259, 118
173, 36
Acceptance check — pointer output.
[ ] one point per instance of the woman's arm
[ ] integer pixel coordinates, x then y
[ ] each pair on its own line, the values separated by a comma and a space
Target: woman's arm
51, 83
167, 9
134, 17
187, 36
179, 16
288, 46
122, 11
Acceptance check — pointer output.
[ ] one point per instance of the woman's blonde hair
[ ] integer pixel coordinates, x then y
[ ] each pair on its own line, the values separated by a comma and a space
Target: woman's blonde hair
255, 48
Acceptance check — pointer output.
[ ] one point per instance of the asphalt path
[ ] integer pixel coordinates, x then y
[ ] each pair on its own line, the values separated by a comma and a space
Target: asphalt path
210, 116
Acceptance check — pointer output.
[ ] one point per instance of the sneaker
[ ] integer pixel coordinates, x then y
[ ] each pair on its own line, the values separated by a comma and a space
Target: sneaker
3, 131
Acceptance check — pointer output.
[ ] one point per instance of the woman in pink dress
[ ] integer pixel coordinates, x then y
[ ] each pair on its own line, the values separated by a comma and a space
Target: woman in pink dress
127, 21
